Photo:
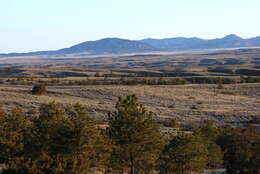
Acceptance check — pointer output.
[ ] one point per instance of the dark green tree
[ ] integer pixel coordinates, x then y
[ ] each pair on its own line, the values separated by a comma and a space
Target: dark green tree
254, 162
64, 141
135, 135
209, 134
184, 154
215, 155
241, 150
14, 128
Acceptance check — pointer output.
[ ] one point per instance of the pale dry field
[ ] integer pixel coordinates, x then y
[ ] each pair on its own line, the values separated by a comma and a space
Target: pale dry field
234, 103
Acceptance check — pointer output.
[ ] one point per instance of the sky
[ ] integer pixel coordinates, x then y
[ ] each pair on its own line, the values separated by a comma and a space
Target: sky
33, 25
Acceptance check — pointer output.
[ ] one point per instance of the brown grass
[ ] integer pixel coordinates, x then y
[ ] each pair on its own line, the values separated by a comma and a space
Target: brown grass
234, 103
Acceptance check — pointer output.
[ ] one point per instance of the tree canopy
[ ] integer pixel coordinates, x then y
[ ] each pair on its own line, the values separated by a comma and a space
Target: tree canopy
183, 154
136, 136
56, 139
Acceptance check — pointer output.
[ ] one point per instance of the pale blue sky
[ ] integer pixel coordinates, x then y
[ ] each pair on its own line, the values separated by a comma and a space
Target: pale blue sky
30, 25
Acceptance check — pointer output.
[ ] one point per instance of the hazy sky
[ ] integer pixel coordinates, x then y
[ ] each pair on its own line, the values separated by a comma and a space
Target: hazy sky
30, 25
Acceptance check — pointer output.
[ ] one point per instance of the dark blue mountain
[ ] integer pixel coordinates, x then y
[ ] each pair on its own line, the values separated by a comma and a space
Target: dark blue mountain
180, 43
103, 46
119, 46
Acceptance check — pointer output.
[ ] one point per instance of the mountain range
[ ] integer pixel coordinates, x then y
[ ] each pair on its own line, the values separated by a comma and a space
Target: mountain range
181, 43
118, 46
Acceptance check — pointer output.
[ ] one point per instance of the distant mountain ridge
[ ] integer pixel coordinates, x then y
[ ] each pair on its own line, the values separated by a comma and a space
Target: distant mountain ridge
109, 45
181, 43
119, 46
103, 46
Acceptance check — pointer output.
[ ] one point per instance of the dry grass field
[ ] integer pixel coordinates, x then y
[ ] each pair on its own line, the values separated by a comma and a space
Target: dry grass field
237, 62
232, 104
235, 103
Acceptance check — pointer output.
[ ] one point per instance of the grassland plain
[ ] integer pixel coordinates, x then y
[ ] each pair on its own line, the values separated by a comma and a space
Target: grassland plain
186, 103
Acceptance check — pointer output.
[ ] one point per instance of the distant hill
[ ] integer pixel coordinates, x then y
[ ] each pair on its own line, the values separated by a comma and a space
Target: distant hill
119, 46
181, 43
107, 46
103, 46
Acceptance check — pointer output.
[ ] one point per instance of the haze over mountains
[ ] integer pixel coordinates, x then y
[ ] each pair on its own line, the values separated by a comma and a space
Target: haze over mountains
118, 46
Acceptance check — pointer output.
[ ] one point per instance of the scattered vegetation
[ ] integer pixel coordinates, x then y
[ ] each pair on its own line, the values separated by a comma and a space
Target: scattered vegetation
128, 80
64, 139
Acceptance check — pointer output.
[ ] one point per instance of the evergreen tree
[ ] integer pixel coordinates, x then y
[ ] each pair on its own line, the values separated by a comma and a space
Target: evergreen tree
214, 156
254, 162
136, 137
209, 134
241, 150
184, 154
65, 141
14, 128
